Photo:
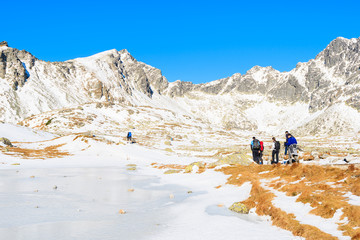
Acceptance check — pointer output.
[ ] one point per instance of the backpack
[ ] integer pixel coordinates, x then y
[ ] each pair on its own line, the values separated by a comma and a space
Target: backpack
261, 146
277, 145
256, 144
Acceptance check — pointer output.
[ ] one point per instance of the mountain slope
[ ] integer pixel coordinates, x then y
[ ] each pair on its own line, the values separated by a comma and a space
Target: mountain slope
263, 99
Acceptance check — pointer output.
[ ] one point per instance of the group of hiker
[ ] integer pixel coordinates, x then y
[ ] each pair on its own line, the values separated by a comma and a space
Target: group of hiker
290, 144
257, 148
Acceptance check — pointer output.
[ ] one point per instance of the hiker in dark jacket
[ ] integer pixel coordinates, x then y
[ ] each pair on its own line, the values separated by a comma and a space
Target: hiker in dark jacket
275, 151
255, 148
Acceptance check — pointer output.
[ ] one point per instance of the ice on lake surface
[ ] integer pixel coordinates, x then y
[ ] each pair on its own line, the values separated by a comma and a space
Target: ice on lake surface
84, 203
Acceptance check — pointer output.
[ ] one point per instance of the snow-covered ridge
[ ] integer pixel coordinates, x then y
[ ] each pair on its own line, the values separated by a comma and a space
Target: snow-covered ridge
31, 86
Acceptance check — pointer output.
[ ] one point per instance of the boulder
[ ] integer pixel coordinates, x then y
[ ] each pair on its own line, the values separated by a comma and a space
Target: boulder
6, 141
189, 168
239, 208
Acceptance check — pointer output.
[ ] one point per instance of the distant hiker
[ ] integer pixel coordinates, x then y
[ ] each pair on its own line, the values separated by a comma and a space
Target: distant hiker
286, 140
275, 151
129, 137
255, 148
261, 152
292, 145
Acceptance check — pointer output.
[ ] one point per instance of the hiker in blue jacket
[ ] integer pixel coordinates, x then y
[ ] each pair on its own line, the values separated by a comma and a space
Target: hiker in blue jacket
128, 137
292, 145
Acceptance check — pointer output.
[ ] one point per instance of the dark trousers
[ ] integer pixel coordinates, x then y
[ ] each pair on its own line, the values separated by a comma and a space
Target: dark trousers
286, 149
275, 152
256, 156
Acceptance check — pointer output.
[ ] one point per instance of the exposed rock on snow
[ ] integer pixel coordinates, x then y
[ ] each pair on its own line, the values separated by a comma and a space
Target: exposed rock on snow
5, 141
239, 208
194, 167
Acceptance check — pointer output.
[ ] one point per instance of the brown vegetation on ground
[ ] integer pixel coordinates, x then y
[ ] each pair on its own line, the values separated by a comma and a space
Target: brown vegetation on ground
47, 152
321, 187
168, 166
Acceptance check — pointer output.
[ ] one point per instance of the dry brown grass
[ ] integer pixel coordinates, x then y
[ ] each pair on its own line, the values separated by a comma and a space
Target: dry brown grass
47, 152
307, 157
322, 187
168, 166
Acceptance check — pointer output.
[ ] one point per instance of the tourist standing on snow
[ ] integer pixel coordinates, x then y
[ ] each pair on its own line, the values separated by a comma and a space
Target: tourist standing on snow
261, 152
286, 141
255, 148
292, 144
275, 151
128, 137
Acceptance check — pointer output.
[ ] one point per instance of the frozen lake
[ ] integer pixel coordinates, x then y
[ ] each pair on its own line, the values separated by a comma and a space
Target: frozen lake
85, 204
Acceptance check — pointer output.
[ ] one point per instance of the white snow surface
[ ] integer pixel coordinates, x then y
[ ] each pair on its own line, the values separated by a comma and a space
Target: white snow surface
23, 134
80, 196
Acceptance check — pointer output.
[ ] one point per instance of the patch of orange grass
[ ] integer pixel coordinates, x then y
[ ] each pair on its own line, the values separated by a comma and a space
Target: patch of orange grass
169, 166
201, 169
356, 237
48, 152
307, 157
355, 189
322, 187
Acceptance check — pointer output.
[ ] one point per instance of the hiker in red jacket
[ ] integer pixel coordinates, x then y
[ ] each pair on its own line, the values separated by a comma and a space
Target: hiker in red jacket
261, 152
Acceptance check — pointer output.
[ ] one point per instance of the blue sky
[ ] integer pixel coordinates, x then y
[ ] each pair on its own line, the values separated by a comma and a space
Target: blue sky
197, 41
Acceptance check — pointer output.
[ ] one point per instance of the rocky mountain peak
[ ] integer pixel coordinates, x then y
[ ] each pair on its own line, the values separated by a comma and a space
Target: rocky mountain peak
14, 64
4, 43
340, 50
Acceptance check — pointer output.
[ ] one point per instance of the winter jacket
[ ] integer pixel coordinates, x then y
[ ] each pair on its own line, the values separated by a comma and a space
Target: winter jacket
287, 137
291, 140
252, 144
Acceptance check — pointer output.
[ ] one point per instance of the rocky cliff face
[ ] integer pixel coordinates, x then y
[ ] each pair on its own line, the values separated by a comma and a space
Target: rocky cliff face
320, 82
31, 86
263, 99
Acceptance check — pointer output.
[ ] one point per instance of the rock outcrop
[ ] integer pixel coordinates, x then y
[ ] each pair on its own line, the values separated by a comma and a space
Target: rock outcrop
6, 142
239, 208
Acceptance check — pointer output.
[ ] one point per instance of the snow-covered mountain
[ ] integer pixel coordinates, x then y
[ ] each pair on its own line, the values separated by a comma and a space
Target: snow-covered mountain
321, 96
